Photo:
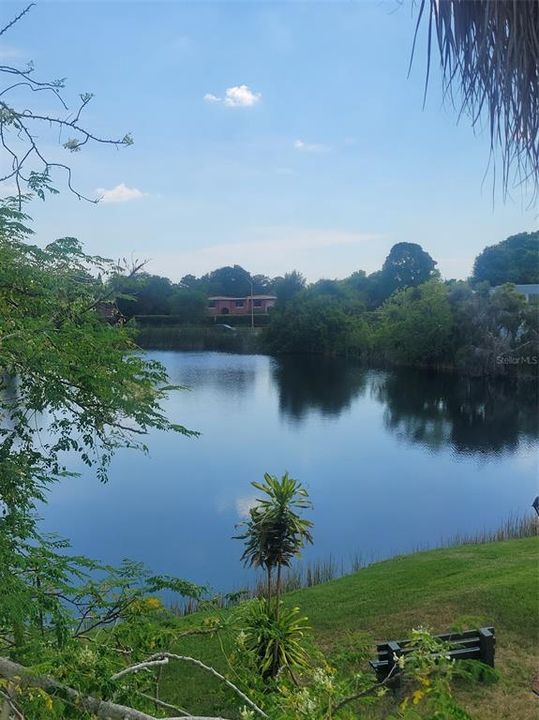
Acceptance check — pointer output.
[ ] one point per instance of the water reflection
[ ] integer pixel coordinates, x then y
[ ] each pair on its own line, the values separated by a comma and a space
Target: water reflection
468, 414
306, 383
398, 446
221, 373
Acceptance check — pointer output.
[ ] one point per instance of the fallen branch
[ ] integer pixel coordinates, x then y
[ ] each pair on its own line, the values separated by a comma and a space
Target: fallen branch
392, 675
100, 708
163, 658
163, 704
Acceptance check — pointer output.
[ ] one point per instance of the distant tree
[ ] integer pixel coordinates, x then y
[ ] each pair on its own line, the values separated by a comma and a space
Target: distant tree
231, 281
188, 306
189, 281
407, 265
515, 260
333, 288
143, 294
358, 282
262, 284
288, 286
416, 325
311, 324
489, 326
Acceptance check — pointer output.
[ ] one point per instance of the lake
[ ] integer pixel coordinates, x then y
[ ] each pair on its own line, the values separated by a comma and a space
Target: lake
393, 461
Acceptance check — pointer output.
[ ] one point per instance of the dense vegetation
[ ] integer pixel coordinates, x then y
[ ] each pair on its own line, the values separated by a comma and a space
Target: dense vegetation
514, 260
434, 324
403, 314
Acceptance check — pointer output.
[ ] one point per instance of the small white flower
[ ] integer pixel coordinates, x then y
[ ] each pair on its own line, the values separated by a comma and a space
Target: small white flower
241, 638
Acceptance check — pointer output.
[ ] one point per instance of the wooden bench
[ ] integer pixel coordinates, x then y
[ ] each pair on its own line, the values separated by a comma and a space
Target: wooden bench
469, 645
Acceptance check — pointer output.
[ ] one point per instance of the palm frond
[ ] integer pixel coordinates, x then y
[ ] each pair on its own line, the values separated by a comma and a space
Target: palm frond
489, 54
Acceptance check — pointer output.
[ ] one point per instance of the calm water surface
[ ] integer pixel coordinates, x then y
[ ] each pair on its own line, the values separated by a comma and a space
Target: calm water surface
392, 461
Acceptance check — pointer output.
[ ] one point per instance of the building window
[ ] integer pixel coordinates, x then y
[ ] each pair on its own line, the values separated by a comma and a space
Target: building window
211, 304
240, 303
257, 303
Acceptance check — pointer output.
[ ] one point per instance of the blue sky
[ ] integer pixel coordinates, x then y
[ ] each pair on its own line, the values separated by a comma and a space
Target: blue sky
320, 157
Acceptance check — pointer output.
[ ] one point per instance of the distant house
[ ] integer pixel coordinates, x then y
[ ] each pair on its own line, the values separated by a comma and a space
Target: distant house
241, 305
530, 292
108, 311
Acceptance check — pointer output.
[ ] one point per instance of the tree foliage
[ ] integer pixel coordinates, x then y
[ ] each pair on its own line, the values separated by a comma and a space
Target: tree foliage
288, 286
515, 260
416, 325
275, 533
404, 314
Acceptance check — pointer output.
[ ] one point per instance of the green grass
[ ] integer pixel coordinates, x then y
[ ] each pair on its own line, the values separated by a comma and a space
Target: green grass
483, 584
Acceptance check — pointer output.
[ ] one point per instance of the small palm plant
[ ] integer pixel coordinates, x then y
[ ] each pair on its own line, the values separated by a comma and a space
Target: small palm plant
275, 533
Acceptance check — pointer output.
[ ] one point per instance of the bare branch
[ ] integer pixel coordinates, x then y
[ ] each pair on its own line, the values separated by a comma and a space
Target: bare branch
100, 708
392, 675
163, 658
19, 130
163, 704
17, 18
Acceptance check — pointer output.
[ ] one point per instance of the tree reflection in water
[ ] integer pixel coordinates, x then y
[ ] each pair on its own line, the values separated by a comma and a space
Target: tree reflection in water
470, 415
438, 410
307, 382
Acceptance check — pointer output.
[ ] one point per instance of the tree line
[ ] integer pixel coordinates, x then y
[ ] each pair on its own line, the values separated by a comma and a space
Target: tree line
402, 314
515, 260
407, 315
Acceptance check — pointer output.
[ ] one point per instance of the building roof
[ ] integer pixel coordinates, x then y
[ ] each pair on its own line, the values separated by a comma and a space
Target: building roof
531, 289
528, 289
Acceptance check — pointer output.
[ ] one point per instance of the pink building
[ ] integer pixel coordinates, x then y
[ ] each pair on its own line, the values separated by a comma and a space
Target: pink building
240, 306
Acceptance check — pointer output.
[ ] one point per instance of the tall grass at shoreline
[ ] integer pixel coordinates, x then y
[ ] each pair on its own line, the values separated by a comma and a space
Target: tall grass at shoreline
514, 527
317, 572
198, 338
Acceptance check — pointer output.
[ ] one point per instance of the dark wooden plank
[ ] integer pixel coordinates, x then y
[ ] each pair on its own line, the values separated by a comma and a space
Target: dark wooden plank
444, 637
487, 645
473, 653
454, 645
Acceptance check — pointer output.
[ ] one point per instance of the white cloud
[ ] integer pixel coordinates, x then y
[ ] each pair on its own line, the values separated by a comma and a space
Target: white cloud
241, 96
244, 505
120, 193
8, 52
302, 146
236, 96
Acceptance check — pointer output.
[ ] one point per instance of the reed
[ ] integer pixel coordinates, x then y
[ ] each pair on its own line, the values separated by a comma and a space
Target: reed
197, 338
514, 527
308, 574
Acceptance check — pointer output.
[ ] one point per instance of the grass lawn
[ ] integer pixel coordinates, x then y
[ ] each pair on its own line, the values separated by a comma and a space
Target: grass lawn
468, 586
